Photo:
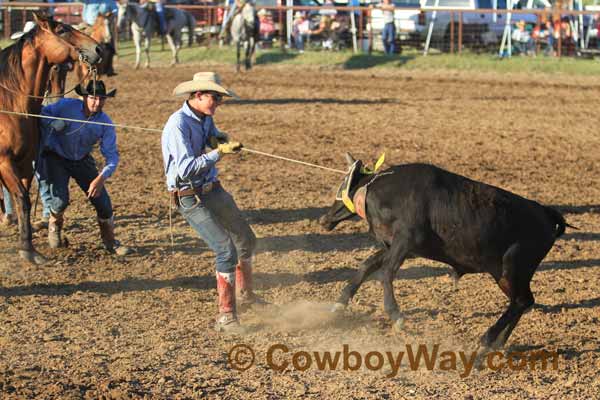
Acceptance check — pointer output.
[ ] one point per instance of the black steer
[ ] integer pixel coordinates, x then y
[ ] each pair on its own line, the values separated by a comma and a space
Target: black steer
419, 210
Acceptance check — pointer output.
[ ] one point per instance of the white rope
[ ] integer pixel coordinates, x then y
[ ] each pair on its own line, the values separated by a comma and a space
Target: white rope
339, 171
81, 120
160, 130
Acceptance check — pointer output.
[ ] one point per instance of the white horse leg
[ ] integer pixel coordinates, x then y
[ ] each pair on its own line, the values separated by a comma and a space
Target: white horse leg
174, 49
137, 38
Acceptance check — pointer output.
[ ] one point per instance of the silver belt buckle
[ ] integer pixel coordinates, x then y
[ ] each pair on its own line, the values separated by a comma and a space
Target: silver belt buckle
207, 187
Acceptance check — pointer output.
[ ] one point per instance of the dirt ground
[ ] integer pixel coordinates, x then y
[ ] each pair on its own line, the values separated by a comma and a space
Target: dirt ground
92, 325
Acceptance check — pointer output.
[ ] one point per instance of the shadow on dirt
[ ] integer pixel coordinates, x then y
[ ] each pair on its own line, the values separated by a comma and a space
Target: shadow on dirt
323, 100
265, 216
581, 236
274, 58
557, 265
315, 242
362, 61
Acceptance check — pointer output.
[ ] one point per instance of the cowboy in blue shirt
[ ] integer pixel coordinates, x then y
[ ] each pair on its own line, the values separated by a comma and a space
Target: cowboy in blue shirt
66, 154
192, 180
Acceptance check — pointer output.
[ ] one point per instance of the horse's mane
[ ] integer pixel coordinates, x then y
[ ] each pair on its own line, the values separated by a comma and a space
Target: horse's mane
11, 70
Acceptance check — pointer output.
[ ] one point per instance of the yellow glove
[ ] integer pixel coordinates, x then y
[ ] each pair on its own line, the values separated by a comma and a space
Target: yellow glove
229, 147
220, 137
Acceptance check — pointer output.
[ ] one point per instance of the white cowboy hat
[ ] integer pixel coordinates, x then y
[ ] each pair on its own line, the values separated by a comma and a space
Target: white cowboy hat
262, 12
29, 25
203, 82
298, 14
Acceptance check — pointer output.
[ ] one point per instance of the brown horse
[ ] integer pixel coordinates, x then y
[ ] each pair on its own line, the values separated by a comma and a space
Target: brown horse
24, 71
101, 32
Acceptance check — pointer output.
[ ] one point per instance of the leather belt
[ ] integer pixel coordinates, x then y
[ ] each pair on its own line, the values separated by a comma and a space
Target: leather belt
204, 189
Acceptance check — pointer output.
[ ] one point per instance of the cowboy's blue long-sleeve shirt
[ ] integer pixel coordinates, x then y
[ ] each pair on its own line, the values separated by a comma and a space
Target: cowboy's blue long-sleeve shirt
184, 139
76, 141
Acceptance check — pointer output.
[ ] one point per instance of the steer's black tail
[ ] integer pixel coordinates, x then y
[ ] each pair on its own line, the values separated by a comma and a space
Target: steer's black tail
558, 220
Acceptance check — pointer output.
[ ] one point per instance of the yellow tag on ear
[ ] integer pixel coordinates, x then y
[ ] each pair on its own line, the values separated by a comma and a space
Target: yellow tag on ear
379, 162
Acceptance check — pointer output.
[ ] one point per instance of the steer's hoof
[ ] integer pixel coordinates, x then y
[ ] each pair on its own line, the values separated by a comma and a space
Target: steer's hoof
398, 325
338, 307
33, 257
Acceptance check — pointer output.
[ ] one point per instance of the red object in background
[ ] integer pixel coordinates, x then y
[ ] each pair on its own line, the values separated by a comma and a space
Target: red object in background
220, 13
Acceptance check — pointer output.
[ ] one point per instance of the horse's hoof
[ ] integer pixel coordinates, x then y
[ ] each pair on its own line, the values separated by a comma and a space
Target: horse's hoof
398, 325
137, 66
338, 307
33, 257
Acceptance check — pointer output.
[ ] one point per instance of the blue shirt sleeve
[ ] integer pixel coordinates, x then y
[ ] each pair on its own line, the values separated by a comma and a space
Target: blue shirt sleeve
108, 148
180, 148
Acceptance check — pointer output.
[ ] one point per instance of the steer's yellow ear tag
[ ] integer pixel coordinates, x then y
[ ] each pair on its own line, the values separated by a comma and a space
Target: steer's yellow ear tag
348, 203
379, 162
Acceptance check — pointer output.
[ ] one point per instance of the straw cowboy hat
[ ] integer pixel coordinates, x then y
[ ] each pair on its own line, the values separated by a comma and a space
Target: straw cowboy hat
99, 90
29, 25
203, 82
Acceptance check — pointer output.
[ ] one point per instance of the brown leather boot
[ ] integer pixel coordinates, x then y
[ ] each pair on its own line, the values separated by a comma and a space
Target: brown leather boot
55, 225
227, 320
243, 281
107, 233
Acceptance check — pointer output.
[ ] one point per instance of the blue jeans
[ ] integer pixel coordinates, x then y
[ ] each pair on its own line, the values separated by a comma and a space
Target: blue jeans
84, 171
299, 41
162, 20
389, 38
219, 222
44, 195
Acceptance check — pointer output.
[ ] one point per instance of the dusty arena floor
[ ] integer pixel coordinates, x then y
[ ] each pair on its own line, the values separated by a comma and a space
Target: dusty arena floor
92, 325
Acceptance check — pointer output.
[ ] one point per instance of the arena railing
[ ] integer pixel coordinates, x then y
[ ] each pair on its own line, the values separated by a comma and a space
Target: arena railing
454, 30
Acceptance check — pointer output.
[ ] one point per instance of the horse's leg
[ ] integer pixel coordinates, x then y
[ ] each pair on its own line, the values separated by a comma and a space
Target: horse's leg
174, 49
237, 65
19, 188
253, 51
249, 51
147, 44
137, 39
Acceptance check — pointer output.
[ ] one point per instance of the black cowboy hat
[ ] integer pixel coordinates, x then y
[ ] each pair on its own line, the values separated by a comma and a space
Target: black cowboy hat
98, 90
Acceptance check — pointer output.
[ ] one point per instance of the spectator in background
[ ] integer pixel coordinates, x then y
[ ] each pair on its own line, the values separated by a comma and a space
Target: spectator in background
300, 30
388, 35
542, 35
267, 27
522, 40
325, 29
91, 9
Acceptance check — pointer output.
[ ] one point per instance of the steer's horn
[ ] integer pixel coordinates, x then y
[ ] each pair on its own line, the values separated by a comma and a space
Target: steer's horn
350, 159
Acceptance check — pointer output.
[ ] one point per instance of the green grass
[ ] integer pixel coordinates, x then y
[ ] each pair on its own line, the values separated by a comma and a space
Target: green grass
411, 59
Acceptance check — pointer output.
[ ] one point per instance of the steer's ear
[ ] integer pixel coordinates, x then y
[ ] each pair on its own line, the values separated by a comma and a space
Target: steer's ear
349, 159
